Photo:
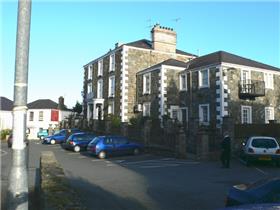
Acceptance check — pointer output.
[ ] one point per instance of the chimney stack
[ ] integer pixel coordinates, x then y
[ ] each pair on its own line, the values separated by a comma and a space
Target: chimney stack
164, 39
61, 103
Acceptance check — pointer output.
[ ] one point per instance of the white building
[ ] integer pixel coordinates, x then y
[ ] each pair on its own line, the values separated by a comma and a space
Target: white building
44, 113
6, 113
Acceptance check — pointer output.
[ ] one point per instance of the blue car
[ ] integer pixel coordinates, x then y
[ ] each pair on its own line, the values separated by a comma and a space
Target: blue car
103, 146
42, 133
78, 141
263, 191
60, 136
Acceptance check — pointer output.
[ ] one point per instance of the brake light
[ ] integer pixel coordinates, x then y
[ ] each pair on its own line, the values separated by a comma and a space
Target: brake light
250, 150
278, 151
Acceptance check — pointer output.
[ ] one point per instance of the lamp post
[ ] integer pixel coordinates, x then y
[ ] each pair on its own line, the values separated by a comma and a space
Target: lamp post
18, 179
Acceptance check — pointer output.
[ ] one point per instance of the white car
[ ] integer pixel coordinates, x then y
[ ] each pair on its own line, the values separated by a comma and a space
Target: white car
261, 148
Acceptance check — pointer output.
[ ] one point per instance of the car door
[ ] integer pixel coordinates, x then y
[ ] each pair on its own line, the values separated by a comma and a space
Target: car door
109, 145
122, 145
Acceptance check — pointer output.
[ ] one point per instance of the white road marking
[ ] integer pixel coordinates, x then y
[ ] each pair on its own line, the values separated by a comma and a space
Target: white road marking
111, 165
73, 153
261, 171
96, 160
82, 157
3, 152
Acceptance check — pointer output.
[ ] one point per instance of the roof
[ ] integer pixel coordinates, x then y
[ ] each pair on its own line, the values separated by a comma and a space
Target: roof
222, 56
6, 104
147, 44
44, 104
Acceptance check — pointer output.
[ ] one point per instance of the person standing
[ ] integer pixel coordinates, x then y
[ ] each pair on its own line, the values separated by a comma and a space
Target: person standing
226, 151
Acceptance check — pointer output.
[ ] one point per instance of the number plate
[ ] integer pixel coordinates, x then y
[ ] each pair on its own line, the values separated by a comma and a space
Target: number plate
265, 158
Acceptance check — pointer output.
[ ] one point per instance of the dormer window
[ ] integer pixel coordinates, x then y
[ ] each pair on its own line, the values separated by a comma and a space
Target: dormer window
112, 62
100, 68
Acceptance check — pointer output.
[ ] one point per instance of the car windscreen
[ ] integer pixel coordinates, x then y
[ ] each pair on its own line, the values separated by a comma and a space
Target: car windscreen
264, 143
94, 141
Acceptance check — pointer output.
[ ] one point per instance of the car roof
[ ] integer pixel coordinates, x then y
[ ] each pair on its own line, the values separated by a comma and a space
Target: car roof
261, 137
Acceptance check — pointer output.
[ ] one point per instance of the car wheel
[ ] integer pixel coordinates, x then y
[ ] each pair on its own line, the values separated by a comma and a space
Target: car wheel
136, 151
52, 141
77, 149
102, 155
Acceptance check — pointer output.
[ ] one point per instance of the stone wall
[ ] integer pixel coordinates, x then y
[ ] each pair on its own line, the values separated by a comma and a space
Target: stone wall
271, 98
139, 59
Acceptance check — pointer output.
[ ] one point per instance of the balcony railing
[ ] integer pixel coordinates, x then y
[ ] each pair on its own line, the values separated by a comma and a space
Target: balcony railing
249, 89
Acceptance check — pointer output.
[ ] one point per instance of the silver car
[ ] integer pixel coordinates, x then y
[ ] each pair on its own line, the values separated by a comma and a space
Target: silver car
261, 148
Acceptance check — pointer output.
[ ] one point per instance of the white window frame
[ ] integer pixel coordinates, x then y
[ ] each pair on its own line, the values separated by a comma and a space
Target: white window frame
181, 82
100, 67
271, 114
31, 116
89, 90
111, 90
181, 114
146, 109
201, 85
268, 80
249, 108
89, 72
112, 62
100, 88
41, 116
242, 75
145, 77
111, 108
177, 109
201, 114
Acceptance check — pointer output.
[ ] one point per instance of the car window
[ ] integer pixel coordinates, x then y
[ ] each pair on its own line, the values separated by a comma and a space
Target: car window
109, 141
79, 137
264, 143
90, 136
94, 141
120, 140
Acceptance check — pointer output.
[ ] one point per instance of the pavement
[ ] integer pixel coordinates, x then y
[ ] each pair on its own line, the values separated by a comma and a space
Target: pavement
145, 181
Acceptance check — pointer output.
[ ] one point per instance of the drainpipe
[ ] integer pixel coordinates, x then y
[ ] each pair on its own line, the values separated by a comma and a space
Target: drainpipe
18, 179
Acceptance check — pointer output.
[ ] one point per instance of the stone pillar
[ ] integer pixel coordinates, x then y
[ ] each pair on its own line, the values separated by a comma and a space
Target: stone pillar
202, 145
147, 132
181, 144
124, 129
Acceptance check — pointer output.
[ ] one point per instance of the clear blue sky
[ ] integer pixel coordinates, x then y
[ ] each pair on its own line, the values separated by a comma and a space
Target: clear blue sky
67, 35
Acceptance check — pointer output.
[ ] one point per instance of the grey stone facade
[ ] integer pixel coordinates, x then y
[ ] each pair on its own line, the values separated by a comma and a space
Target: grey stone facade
129, 59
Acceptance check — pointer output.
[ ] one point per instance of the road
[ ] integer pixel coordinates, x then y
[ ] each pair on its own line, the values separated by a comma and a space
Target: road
148, 181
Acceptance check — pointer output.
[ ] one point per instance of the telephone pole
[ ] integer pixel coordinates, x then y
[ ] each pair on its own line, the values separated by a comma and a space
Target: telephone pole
18, 179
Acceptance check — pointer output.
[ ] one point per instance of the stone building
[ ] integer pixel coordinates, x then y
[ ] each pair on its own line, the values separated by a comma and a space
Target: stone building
209, 88
158, 90
110, 80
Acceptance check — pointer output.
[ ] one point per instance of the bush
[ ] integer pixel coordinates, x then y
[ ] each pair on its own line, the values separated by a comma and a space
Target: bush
4, 133
116, 121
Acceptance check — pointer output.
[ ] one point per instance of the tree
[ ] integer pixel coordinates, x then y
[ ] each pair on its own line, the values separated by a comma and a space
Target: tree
78, 108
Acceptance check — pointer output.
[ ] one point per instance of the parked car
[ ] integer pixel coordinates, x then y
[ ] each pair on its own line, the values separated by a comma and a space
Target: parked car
261, 148
103, 146
256, 206
263, 191
60, 136
10, 141
78, 141
42, 133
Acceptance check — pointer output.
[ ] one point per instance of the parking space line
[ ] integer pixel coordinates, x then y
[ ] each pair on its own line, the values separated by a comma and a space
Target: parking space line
261, 171
82, 157
96, 160
73, 153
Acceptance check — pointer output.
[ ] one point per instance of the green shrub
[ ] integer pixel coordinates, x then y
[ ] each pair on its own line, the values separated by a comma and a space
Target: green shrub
4, 133
116, 121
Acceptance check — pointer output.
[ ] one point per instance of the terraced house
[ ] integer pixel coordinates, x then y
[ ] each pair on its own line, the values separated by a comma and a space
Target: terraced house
210, 88
110, 80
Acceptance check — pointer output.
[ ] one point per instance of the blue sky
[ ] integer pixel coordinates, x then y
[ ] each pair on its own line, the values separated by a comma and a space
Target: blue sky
67, 35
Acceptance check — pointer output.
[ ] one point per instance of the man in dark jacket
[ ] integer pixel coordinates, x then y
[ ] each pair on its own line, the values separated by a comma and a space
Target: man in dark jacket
226, 150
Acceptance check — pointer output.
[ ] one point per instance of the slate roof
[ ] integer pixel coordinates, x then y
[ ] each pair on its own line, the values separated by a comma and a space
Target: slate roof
168, 62
6, 104
222, 56
147, 44
44, 104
